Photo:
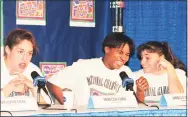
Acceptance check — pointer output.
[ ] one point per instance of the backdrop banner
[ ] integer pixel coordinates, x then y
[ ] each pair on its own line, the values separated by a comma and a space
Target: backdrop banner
30, 12
82, 13
143, 20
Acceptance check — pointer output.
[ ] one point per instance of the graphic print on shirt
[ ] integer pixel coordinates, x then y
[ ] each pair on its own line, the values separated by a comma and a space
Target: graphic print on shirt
155, 91
18, 94
97, 81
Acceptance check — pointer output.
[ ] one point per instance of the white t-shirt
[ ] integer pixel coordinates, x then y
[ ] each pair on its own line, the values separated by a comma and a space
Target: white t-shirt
158, 84
89, 77
6, 78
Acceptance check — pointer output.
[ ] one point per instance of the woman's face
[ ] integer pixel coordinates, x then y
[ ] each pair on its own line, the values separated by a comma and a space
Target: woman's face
117, 57
19, 56
149, 61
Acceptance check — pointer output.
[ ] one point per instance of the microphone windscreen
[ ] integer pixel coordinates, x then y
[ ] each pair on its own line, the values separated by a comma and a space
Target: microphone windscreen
126, 81
38, 80
34, 74
123, 75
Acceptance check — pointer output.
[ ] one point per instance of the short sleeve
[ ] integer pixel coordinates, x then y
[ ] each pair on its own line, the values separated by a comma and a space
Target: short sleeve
129, 72
182, 77
67, 77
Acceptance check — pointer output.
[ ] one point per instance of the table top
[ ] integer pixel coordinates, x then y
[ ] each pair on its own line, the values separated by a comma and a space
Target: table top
141, 110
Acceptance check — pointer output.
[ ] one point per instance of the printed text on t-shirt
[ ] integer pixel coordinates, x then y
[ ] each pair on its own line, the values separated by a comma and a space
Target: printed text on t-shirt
107, 83
153, 91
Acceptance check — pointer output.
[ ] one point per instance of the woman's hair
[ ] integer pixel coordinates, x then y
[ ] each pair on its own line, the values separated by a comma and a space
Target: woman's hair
116, 40
161, 48
18, 35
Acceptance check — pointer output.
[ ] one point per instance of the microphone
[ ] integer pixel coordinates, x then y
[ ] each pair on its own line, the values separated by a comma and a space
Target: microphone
126, 81
39, 81
129, 83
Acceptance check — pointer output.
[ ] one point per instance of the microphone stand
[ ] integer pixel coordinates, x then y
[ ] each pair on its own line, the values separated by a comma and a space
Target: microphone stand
130, 87
38, 96
43, 106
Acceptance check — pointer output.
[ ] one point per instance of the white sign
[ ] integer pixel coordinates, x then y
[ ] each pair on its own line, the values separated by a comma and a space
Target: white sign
19, 103
117, 28
68, 97
117, 4
173, 99
113, 101
152, 99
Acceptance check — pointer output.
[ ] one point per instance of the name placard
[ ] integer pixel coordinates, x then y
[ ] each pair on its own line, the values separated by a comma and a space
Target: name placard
19, 103
113, 101
173, 99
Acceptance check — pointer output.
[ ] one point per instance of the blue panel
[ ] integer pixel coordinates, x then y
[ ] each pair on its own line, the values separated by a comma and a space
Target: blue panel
144, 20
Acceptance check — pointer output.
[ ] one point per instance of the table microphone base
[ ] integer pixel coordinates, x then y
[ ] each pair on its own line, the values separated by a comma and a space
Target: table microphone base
43, 106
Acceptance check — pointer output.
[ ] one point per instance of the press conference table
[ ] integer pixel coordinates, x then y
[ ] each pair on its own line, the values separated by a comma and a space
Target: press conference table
56, 110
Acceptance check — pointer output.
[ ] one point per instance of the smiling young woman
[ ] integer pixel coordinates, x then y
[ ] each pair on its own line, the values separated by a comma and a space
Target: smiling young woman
165, 74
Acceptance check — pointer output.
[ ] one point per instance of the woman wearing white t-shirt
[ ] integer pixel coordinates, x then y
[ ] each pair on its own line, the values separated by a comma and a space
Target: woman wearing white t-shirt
16, 67
165, 74
96, 76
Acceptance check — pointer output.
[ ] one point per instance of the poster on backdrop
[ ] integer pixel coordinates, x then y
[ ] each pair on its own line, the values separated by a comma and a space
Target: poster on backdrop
82, 13
30, 12
50, 68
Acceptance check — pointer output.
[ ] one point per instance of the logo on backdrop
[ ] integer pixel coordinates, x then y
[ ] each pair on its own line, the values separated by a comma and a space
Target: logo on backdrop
50, 68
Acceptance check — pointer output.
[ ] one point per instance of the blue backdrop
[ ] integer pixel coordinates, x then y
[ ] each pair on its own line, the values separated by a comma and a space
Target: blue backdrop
144, 20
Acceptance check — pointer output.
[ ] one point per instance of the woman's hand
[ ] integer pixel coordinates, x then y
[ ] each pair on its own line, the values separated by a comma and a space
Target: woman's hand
16, 85
163, 64
142, 84
24, 80
174, 83
28, 83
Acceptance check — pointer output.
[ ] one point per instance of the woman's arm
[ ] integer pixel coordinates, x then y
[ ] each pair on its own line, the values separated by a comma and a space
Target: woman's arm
173, 81
56, 91
141, 86
14, 85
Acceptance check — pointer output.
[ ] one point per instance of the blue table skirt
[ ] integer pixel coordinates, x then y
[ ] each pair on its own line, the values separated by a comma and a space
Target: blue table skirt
162, 112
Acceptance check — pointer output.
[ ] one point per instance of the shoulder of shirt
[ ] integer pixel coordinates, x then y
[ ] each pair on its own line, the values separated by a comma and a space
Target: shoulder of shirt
87, 61
126, 68
141, 71
179, 71
138, 71
32, 67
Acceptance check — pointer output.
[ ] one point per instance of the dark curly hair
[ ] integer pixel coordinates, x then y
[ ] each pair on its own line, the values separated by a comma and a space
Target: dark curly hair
116, 40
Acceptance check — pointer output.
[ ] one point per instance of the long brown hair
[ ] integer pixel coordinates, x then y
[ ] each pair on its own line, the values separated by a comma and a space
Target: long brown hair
161, 48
